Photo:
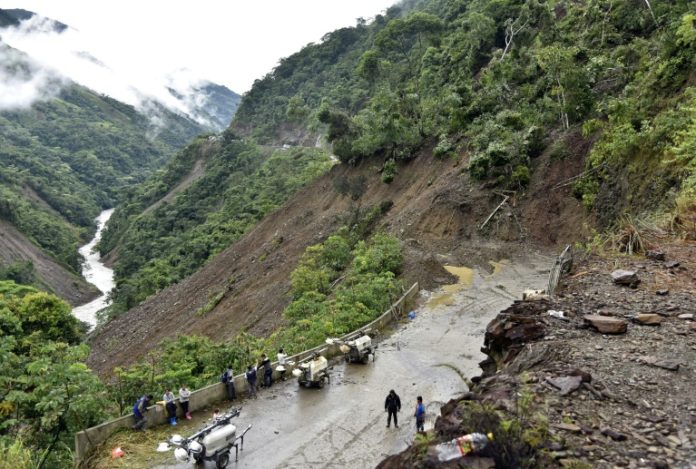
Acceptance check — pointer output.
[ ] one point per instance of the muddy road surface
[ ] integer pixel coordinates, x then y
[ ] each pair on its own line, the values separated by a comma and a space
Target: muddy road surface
344, 424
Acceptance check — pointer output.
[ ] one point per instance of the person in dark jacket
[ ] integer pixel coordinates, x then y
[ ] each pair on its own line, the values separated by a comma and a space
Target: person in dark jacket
392, 405
228, 380
170, 404
251, 379
139, 409
267, 371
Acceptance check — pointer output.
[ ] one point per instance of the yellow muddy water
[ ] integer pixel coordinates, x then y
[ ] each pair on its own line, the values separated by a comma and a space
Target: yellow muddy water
465, 277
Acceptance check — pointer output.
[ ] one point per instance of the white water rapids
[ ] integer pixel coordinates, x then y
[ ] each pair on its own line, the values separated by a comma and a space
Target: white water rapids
96, 273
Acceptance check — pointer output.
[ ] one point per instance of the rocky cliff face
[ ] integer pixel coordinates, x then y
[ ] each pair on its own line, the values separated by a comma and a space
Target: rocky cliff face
562, 389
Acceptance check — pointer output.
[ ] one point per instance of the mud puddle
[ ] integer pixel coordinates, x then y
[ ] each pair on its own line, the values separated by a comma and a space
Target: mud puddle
344, 424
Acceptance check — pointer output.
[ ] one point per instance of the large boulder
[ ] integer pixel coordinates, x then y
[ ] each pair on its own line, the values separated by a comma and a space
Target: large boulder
520, 323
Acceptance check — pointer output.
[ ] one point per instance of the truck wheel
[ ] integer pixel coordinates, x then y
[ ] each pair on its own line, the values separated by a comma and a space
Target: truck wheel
222, 460
321, 382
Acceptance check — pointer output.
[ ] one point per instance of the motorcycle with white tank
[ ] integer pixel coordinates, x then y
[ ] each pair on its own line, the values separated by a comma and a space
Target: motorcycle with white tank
313, 371
214, 442
356, 348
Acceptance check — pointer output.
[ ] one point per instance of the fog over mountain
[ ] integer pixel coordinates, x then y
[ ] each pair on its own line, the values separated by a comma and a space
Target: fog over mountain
54, 52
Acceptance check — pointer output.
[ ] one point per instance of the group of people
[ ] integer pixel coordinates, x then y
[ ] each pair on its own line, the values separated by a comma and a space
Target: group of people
141, 405
251, 375
392, 405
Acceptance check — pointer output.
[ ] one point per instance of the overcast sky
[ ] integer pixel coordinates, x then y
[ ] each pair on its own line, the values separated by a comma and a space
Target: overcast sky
230, 42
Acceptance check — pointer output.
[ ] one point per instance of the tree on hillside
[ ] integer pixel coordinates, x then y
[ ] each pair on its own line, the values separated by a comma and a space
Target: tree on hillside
47, 393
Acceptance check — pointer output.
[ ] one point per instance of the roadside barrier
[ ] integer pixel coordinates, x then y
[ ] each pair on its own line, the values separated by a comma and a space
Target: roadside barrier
87, 440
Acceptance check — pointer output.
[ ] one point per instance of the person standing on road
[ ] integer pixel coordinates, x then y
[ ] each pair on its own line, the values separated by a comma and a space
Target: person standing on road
392, 405
420, 415
228, 380
184, 395
267, 371
251, 380
169, 404
139, 409
282, 358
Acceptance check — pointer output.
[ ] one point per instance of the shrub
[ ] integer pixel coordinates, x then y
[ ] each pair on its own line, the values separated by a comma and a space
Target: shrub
305, 278
389, 170
498, 154
533, 141
384, 254
520, 177
478, 166
445, 147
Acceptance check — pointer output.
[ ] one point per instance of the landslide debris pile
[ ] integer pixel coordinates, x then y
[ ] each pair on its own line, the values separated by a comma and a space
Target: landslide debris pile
609, 383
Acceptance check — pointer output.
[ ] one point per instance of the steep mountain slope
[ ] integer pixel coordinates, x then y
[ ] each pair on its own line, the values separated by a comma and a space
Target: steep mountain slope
557, 110
32, 265
13, 17
207, 197
210, 104
68, 156
60, 50
435, 211
502, 80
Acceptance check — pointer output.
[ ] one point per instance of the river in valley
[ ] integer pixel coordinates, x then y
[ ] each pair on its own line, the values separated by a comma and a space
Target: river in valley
96, 273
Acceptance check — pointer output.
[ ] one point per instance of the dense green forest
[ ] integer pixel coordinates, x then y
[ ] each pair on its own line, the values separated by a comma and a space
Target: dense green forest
66, 158
163, 243
47, 393
500, 80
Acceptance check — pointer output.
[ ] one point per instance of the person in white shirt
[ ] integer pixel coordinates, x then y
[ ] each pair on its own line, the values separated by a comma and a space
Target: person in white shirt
184, 395
282, 360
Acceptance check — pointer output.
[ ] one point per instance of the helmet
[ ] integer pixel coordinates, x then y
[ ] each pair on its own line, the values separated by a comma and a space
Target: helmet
181, 455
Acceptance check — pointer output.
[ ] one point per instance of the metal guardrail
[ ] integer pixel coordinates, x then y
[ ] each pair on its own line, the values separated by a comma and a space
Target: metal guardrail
87, 440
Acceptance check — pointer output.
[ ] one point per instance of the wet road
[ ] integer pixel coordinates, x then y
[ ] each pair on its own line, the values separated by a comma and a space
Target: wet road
343, 425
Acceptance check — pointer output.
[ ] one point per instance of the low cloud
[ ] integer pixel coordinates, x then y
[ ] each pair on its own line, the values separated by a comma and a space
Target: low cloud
23, 81
73, 55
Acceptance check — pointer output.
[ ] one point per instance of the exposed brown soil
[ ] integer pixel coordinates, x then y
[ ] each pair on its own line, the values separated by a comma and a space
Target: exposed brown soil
436, 212
634, 406
14, 247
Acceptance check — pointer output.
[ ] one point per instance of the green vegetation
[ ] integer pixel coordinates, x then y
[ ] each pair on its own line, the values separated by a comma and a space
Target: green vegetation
163, 243
500, 80
339, 286
65, 159
46, 391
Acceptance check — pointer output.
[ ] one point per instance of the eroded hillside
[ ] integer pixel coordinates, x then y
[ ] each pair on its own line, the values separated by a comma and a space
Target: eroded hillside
436, 211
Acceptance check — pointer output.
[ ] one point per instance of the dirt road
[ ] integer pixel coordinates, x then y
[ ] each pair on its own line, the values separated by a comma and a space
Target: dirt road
343, 425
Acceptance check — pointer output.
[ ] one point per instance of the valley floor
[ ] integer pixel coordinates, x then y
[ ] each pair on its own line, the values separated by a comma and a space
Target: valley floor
343, 425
